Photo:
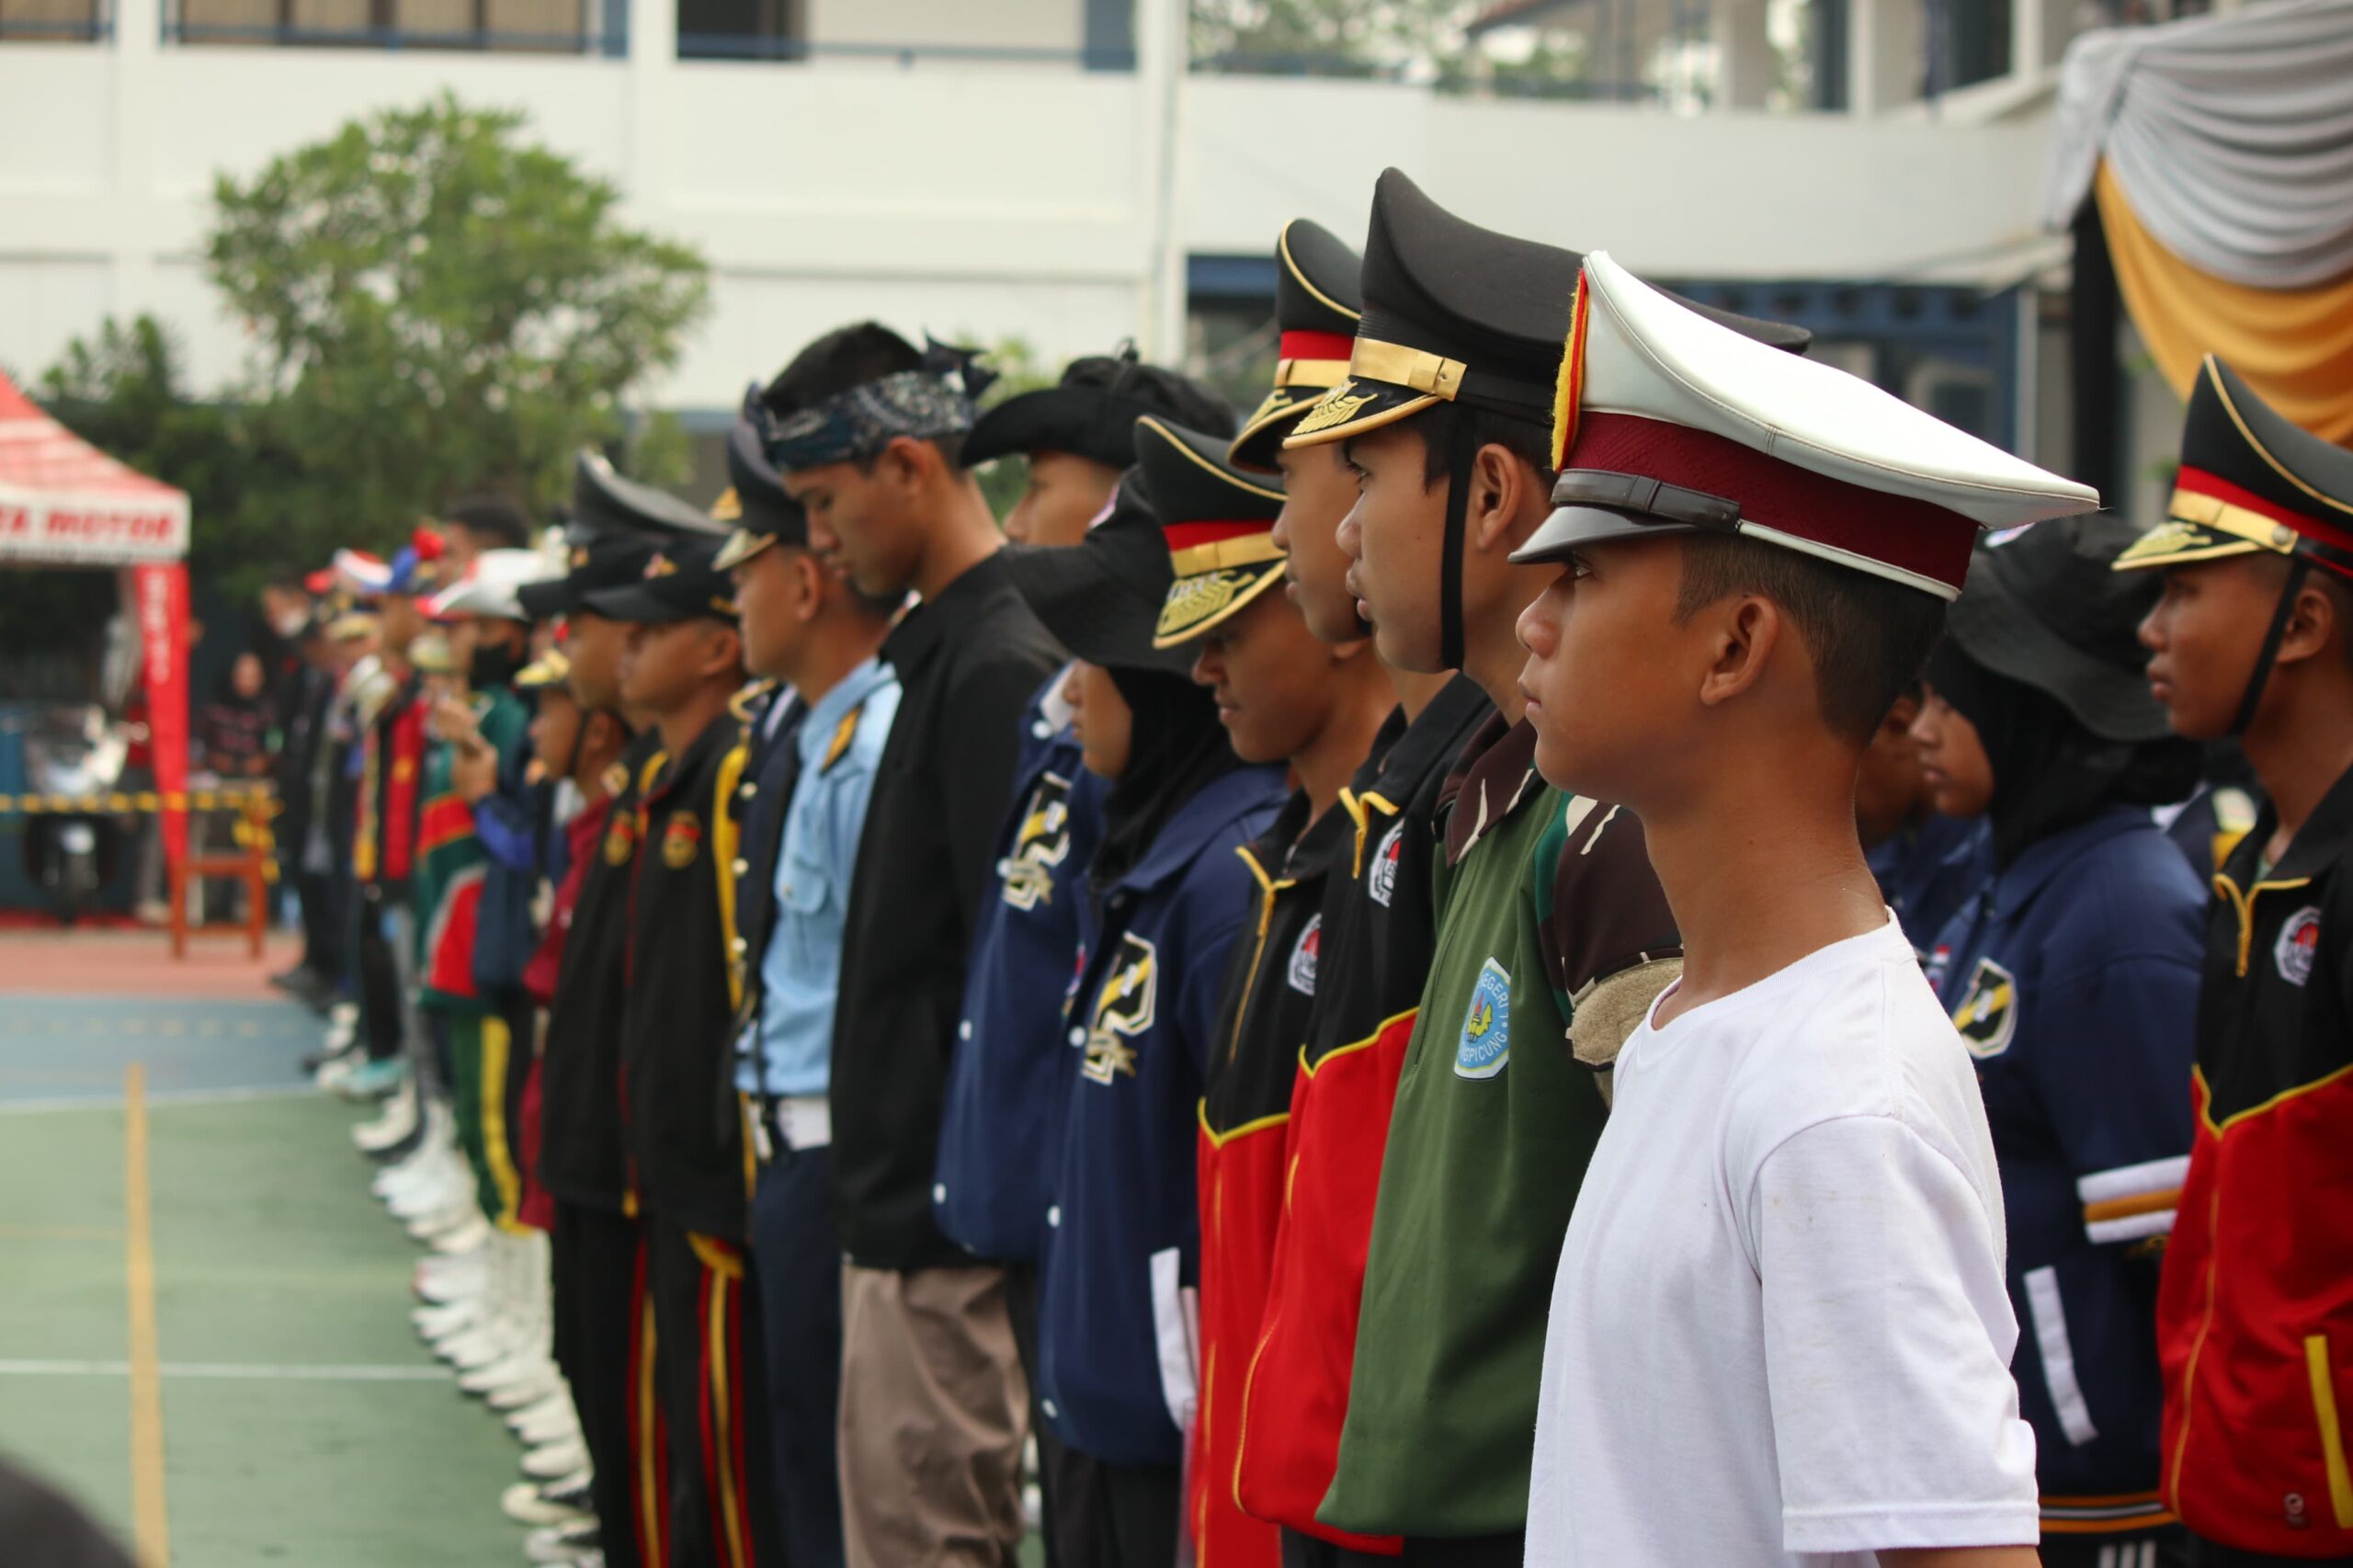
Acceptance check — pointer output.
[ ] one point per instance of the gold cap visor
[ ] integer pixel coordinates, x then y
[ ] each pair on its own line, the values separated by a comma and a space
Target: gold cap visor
550, 668
2204, 527
1198, 605
741, 546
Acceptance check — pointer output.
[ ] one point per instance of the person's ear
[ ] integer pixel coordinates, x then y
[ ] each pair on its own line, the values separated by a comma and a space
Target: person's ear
906, 462
810, 583
1741, 633
1499, 484
723, 654
2311, 623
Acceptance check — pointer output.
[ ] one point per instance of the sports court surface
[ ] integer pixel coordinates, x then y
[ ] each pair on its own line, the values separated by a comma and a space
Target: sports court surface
204, 1331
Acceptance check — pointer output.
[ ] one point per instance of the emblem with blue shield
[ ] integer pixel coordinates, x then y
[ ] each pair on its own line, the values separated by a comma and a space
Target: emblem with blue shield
1485, 1045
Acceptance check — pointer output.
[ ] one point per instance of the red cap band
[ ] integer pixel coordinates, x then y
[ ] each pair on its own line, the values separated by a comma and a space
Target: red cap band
1315, 345
1185, 536
2200, 482
1912, 535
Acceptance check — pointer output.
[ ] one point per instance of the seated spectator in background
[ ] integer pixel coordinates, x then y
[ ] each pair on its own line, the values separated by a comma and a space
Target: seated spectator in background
233, 735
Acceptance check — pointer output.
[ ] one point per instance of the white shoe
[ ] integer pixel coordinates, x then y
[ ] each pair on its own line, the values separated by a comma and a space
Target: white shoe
434, 1188
541, 1412
559, 1428
446, 1275
471, 1353
523, 1503
466, 1240
556, 1461
398, 1121
336, 1071
447, 1221
517, 1398
528, 1364
442, 1321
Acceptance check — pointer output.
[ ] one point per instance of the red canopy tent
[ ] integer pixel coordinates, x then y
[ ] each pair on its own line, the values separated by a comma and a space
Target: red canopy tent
64, 503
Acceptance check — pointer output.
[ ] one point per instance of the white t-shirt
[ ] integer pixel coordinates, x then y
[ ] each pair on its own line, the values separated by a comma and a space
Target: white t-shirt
1779, 1333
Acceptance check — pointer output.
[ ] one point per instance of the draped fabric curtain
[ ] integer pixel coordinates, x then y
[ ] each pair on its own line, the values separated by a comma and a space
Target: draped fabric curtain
2220, 152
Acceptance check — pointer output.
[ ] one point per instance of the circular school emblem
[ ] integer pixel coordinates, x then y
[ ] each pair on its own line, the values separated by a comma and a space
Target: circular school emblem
681, 840
620, 839
1303, 957
1380, 877
2299, 940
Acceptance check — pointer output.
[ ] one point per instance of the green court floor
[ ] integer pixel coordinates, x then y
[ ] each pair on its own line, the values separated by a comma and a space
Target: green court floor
302, 1422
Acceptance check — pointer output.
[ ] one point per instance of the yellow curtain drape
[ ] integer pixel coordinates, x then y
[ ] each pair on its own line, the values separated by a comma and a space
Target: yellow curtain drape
2294, 346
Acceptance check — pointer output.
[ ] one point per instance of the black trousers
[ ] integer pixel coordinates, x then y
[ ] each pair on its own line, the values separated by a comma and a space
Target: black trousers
1312, 1551
1135, 1509
2204, 1553
1465, 1552
797, 1266
599, 1310
1071, 1525
712, 1390
381, 1015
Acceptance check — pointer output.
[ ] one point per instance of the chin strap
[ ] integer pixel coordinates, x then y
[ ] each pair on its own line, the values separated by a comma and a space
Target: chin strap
1461, 454
2297, 570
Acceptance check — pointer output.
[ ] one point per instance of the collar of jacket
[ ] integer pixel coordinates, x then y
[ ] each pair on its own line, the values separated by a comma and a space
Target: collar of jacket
2045, 858
921, 631
1222, 802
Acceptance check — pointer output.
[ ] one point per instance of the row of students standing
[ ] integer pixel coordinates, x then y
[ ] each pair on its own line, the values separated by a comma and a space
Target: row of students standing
1084, 1002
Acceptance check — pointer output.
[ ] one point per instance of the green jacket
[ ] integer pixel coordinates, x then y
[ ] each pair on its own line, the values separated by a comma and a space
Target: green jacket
1541, 894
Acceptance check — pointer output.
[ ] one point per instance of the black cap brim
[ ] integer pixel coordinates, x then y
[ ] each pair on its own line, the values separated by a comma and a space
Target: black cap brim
638, 603
543, 601
1263, 433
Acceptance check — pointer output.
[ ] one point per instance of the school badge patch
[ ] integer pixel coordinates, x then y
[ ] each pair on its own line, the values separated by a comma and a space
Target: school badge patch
2298, 941
620, 839
1485, 1045
1380, 877
1988, 1016
1303, 957
681, 841
1123, 1011
1040, 844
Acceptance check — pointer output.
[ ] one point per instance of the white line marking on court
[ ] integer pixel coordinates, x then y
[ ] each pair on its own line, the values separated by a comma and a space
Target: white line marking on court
165, 1097
233, 1372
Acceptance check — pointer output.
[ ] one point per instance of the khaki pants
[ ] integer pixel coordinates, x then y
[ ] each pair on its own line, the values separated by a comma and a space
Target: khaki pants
933, 1412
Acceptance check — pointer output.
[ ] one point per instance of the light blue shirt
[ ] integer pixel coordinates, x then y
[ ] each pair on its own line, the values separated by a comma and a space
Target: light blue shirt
841, 744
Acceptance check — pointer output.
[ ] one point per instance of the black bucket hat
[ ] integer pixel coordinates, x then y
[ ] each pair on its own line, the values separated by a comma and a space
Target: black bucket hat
755, 502
1101, 597
2045, 607
1092, 411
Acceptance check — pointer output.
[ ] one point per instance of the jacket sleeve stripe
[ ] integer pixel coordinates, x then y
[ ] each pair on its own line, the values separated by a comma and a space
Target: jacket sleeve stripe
2134, 1181
2058, 1355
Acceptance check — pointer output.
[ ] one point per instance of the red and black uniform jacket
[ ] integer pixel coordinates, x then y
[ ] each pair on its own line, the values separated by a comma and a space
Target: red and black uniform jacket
682, 1124
581, 1156
1263, 1017
1378, 932
391, 791
2255, 1314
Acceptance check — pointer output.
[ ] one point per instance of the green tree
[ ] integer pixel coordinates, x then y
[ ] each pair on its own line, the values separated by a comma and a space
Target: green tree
438, 307
1326, 37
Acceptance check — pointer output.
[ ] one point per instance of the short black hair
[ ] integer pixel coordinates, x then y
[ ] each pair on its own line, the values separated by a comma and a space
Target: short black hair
494, 519
1179, 398
844, 358
1441, 425
1869, 635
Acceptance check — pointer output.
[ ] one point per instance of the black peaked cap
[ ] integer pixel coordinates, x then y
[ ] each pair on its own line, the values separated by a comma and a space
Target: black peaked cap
1101, 597
1217, 521
2044, 607
1092, 411
681, 581
756, 502
598, 561
1317, 303
2250, 479
605, 502
1455, 313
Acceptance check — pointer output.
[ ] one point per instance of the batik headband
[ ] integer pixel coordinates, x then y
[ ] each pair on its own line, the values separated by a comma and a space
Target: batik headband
933, 401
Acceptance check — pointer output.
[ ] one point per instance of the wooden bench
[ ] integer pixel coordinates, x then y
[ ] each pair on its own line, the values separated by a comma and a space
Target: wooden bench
249, 863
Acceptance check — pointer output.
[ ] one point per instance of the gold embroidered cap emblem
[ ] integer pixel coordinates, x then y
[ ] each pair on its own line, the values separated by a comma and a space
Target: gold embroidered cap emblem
1336, 407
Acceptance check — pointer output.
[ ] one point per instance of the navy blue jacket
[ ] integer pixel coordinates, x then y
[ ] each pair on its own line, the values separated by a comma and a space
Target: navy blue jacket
1123, 1244
771, 767
1007, 1082
1927, 872
2073, 977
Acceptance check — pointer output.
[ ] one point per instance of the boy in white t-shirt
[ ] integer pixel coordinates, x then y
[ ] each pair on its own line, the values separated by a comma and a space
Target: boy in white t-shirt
1779, 1332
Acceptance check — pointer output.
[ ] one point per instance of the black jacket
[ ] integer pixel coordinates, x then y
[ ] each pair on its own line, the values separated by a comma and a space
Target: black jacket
686, 1147
581, 1157
968, 662
763, 797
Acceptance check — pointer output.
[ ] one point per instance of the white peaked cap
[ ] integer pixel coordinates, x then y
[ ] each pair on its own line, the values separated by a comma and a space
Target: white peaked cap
1669, 421
488, 588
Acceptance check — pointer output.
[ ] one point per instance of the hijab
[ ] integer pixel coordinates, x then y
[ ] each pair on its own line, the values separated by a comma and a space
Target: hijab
1176, 749
2049, 772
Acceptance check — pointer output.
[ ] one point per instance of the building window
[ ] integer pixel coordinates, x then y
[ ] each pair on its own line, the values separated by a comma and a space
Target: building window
559, 26
742, 29
51, 21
